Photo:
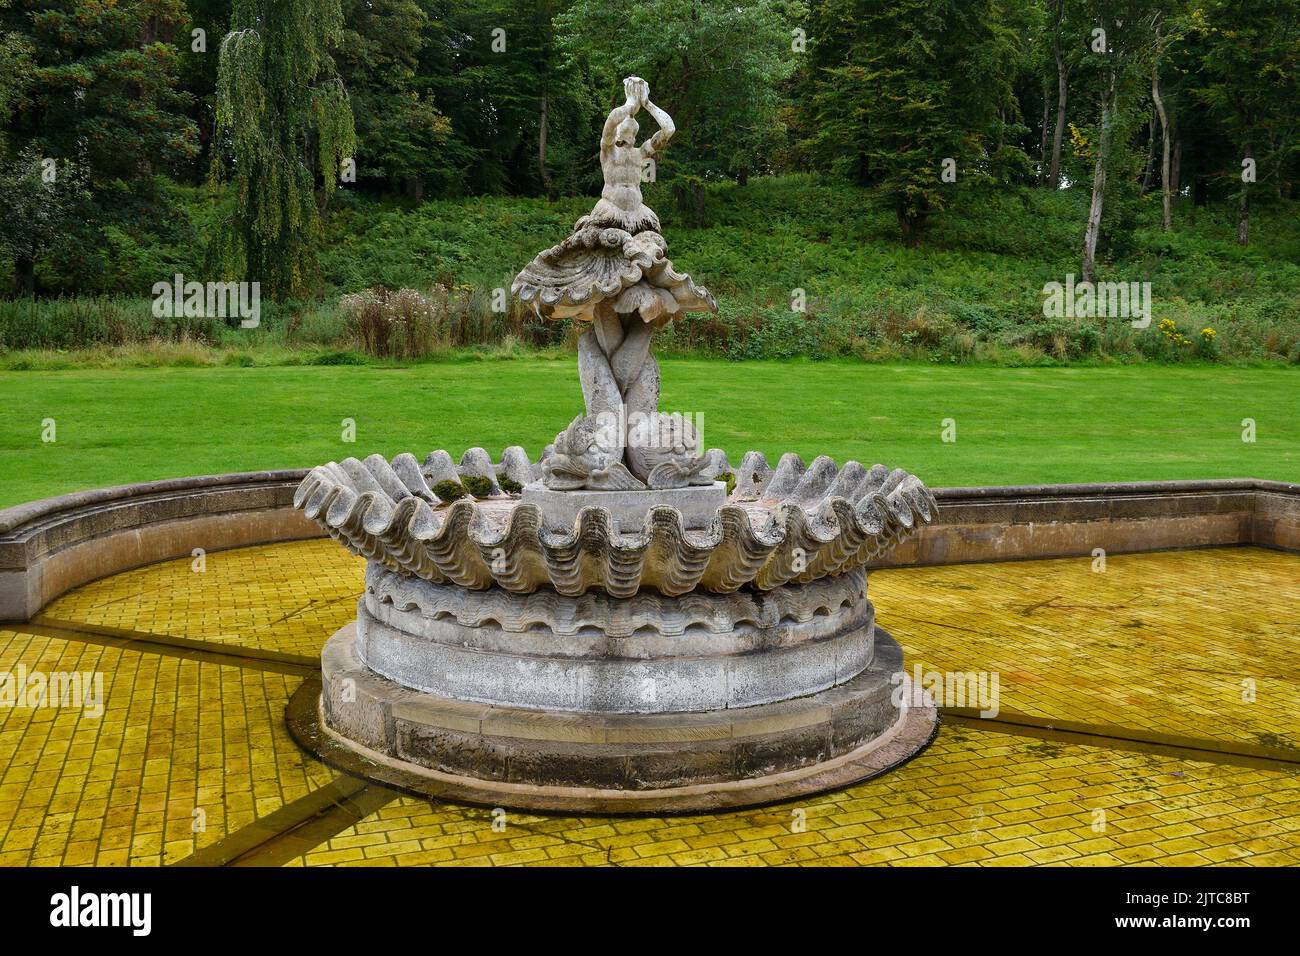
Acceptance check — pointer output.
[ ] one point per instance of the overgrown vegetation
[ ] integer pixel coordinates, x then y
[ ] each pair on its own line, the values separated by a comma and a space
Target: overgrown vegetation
289, 103
972, 293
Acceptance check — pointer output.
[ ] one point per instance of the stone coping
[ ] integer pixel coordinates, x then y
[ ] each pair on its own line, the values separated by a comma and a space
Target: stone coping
49, 547
1021, 522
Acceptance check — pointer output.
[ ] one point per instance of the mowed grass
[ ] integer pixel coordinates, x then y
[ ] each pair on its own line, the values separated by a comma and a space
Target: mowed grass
1013, 425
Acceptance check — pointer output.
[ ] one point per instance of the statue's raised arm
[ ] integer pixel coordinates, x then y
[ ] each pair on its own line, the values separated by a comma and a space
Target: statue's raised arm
666, 129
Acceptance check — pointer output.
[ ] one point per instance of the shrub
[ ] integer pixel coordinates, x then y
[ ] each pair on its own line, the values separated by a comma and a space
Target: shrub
401, 325
337, 358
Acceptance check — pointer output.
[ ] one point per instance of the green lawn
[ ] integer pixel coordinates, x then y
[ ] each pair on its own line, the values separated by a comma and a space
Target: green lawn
1013, 425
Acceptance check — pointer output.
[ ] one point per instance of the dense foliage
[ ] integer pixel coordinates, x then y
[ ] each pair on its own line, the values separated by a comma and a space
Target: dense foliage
324, 147
972, 293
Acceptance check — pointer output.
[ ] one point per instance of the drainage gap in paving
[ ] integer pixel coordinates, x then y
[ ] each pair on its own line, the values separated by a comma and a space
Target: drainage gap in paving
1236, 753
297, 827
231, 655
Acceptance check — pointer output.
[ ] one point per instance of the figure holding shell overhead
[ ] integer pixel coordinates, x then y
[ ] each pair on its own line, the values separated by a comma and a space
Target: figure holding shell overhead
613, 271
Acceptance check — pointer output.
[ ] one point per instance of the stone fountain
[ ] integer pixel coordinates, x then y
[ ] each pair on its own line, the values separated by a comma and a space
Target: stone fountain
628, 623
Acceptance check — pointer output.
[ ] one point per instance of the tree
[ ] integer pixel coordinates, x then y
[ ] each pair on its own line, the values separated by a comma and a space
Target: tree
197, 73
403, 140
46, 205
103, 89
15, 67
1166, 182
717, 66
1067, 48
910, 88
1251, 71
1121, 46
89, 91
283, 108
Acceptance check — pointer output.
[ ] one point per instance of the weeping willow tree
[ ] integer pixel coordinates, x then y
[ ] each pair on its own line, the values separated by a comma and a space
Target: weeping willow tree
284, 117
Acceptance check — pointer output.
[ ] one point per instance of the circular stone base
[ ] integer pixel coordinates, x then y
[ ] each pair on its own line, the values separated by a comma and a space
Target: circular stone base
647, 654
607, 763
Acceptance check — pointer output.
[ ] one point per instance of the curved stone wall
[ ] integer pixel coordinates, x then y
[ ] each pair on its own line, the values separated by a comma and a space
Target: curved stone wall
49, 547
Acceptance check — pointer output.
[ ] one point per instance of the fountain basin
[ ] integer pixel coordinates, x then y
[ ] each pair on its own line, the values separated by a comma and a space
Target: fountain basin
793, 523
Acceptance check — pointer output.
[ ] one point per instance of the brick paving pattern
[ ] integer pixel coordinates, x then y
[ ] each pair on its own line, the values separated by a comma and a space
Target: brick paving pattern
1193, 644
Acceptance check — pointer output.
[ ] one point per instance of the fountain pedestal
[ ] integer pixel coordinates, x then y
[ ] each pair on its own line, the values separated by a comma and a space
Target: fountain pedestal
506, 655
540, 706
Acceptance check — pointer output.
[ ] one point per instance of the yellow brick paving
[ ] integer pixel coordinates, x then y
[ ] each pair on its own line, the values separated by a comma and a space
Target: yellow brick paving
285, 597
1199, 643
180, 746
1164, 642
1160, 642
974, 797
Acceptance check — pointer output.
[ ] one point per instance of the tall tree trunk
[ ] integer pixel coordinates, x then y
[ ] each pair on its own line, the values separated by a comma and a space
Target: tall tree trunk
1093, 230
1151, 154
1042, 143
1243, 208
1176, 167
25, 275
542, 129
1166, 180
1062, 92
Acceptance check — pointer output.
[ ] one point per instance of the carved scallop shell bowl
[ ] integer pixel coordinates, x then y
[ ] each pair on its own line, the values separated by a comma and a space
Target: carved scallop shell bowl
793, 523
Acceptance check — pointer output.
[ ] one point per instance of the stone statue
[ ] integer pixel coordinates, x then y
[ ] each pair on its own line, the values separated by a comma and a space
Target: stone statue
558, 591
613, 272
587, 455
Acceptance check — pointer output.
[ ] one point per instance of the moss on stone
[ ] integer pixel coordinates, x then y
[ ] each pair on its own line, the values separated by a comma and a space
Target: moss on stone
477, 485
449, 491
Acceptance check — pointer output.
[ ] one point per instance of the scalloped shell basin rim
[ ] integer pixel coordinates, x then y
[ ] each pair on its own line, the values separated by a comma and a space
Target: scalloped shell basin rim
795, 522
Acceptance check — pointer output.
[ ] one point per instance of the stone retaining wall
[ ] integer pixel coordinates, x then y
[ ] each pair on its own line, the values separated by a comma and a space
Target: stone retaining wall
49, 547
1048, 521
